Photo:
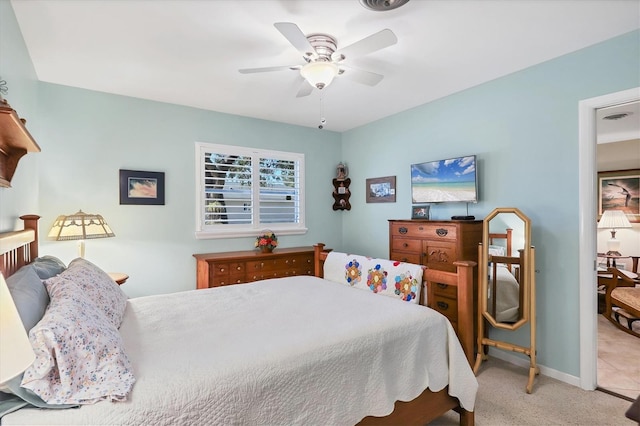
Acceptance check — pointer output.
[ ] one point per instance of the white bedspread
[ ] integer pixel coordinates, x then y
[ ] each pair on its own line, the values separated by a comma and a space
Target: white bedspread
284, 351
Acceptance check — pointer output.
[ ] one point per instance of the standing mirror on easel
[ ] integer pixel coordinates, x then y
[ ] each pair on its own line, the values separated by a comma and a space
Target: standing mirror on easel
506, 290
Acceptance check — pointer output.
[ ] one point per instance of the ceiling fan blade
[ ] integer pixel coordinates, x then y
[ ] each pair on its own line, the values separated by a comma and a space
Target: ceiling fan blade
363, 77
377, 41
269, 69
297, 38
305, 89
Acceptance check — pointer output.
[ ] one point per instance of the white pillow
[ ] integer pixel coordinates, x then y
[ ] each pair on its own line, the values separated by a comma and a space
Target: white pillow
80, 356
100, 289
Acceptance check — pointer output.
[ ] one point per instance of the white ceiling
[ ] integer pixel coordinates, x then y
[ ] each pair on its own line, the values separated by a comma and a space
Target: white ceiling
189, 52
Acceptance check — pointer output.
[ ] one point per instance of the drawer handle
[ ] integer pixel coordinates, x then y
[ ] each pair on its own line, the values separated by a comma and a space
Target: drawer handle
221, 269
238, 268
442, 232
443, 305
443, 286
405, 245
404, 259
403, 230
420, 228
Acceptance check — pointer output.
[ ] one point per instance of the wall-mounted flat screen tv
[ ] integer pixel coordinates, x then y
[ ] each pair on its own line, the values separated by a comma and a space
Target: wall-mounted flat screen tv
445, 181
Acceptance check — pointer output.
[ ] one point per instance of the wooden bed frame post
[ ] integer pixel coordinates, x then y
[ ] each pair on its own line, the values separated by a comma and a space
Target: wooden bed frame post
31, 222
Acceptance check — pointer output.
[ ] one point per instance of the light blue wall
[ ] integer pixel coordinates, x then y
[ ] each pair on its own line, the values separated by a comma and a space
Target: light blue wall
91, 136
17, 70
523, 127
524, 130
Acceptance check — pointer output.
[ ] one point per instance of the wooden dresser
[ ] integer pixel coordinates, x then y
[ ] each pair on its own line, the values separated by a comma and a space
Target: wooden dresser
235, 267
437, 244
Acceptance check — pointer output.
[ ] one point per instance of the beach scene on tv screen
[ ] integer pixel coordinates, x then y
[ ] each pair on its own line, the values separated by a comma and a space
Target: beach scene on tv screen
444, 181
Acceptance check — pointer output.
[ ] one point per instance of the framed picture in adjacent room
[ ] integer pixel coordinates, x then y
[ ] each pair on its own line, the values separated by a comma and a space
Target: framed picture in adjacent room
620, 190
140, 187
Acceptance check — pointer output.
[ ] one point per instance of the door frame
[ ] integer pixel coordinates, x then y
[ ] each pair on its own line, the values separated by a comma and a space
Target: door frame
587, 220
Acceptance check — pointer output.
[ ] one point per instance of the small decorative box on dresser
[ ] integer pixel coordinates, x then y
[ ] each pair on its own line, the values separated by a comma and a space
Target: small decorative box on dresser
437, 244
235, 267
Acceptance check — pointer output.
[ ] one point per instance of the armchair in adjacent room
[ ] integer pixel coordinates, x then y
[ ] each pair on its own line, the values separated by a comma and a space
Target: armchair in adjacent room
622, 299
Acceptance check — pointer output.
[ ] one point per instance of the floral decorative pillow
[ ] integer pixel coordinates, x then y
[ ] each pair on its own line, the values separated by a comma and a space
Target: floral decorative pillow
396, 279
100, 289
80, 357
389, 278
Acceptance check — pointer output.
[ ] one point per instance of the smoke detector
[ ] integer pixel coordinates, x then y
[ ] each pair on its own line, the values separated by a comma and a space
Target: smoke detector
382, 5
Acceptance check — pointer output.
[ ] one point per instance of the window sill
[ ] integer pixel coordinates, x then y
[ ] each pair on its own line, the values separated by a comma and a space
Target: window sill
239, 233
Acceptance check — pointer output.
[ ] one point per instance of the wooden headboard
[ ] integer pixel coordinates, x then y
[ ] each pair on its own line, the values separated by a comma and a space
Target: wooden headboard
18, 248
462, 280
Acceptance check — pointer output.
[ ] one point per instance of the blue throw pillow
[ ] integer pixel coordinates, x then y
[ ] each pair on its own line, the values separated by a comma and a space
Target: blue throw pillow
29, 295
48, 266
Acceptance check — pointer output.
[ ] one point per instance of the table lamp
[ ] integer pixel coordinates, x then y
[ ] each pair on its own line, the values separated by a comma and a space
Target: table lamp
16, 354
614, 219
80, 226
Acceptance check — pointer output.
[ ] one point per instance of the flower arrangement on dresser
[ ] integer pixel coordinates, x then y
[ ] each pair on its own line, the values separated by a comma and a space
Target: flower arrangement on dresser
266, 242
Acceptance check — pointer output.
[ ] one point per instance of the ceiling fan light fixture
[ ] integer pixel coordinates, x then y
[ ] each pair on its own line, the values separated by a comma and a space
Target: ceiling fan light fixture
319, 74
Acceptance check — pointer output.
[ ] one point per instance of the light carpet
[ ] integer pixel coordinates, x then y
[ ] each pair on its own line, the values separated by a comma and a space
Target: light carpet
502, 400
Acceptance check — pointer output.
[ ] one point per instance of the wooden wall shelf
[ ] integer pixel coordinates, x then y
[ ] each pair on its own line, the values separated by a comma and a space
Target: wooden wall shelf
15, 142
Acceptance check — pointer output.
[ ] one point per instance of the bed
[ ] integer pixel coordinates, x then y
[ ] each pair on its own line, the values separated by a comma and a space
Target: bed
504, 300
350, 357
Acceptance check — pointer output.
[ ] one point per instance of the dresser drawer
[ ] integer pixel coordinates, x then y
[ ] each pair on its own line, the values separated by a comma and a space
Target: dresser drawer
445, 290
407, 245
401, 256
446, 306
279, 264
425, 230
227, 280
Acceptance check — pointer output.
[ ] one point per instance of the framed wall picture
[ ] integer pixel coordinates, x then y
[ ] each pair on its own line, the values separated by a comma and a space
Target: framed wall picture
620, 190
381, 190
420, 211
139, 187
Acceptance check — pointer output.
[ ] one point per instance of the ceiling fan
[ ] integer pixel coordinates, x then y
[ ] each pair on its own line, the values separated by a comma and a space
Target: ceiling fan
324, 60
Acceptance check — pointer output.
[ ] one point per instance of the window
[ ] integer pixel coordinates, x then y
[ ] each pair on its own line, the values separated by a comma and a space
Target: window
242, 191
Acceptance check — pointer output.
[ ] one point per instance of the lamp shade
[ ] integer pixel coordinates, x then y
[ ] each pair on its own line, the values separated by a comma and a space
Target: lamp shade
80, 226
16, 354
319, 74
614, 219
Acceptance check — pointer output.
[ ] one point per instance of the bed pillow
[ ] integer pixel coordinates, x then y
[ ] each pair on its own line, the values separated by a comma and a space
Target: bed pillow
80, 357
96, 284
48, 266
29, 295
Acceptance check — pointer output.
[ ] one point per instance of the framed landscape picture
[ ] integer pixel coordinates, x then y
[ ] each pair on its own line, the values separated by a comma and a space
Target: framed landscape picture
139, 187
620, 190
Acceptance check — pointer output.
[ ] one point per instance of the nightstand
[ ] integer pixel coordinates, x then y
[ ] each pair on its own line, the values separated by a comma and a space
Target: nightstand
119, 277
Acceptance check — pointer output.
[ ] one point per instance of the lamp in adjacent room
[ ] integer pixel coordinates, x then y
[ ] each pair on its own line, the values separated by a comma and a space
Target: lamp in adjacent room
613, 220
16, 354
80, 226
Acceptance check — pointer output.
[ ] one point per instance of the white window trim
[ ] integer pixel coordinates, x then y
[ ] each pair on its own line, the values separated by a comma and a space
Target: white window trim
233, 231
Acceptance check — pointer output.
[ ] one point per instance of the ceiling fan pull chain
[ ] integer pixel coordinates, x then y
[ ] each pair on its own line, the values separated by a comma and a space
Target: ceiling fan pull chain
322, 119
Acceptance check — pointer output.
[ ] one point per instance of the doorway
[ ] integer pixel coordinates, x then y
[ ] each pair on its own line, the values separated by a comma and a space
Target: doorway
587, 228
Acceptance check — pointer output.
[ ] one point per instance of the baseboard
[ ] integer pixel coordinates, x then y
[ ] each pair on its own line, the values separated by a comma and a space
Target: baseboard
524, 362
